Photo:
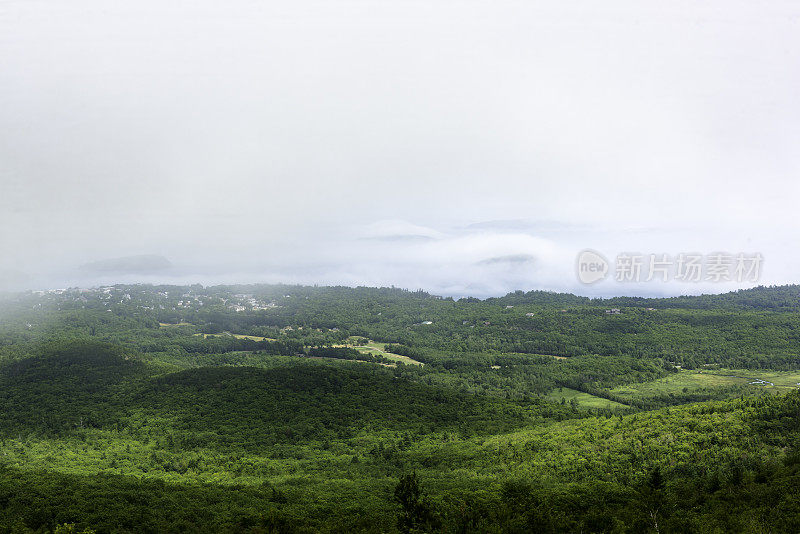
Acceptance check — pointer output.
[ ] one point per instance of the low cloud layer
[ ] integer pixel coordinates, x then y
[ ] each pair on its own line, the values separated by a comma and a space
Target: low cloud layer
463, 148
481, 260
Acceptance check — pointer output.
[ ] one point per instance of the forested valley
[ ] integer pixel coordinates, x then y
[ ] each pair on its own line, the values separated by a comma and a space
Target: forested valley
279, 408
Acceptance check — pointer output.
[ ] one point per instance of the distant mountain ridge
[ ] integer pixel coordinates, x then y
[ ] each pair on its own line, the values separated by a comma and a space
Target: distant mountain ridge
785, 298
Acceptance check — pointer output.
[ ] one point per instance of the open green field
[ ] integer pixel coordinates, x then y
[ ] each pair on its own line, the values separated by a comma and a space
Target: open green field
778, 379
375, 347
526, 354
706, 381
681, 382
584, 400
238, 336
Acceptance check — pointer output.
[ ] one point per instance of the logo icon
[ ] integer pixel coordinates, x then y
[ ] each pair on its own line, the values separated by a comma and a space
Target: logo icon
592, 266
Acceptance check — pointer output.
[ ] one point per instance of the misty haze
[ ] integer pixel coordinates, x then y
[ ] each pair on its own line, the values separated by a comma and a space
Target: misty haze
359, 143
373, 266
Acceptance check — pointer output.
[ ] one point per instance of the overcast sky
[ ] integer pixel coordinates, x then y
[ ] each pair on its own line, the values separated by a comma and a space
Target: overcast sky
460, 147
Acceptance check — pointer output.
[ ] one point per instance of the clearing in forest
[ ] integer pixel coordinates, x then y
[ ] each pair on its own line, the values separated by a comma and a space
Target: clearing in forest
584, 400
379, 349
238, 336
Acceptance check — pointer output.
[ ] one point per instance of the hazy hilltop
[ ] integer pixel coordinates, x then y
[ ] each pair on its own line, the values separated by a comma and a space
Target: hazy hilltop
785, 297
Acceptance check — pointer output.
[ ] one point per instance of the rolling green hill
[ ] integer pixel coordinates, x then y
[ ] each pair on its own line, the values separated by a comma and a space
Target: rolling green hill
532, 413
